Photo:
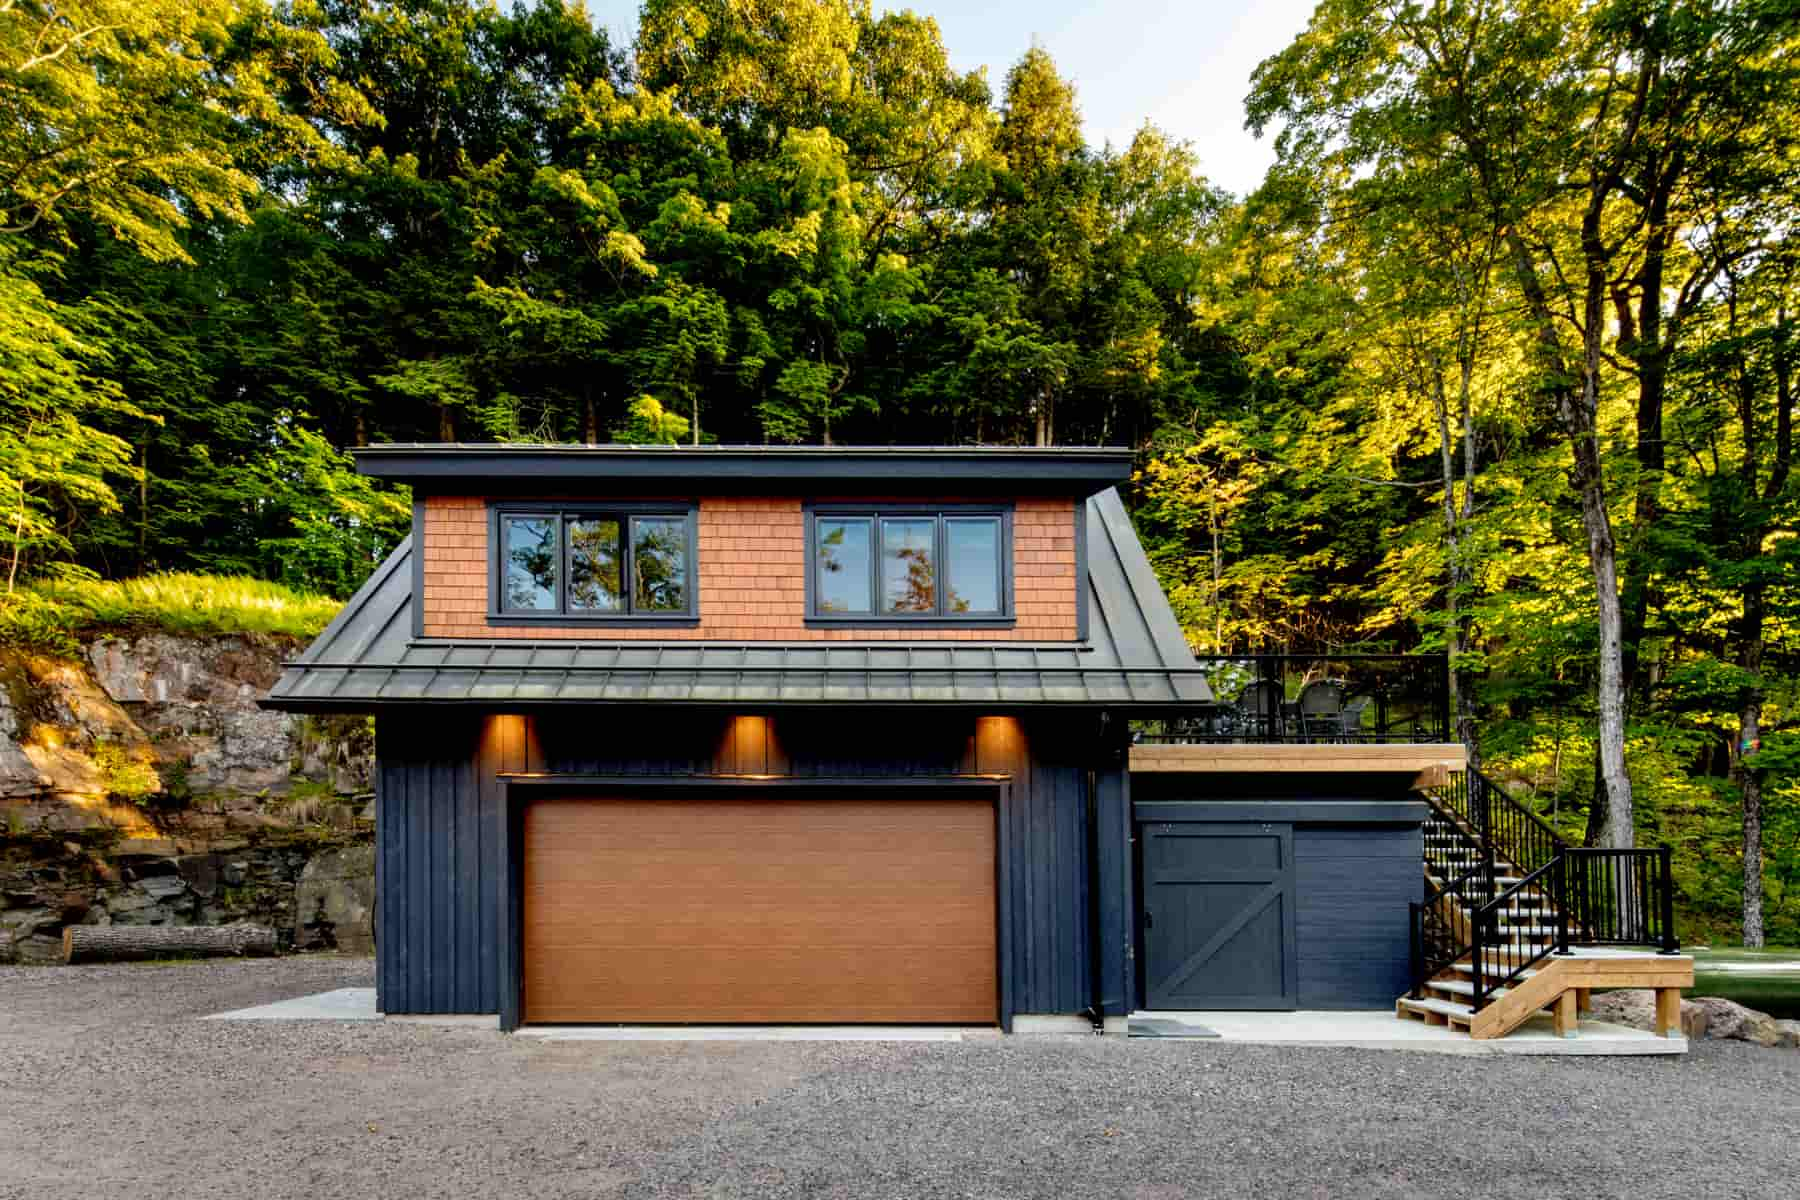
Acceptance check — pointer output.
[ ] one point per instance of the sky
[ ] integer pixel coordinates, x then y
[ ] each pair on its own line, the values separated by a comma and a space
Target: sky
1184, 66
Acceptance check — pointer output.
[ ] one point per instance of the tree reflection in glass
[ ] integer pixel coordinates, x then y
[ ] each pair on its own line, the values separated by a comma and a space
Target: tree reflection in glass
659, 564
530, 563
841, 583
908, 574
595, 565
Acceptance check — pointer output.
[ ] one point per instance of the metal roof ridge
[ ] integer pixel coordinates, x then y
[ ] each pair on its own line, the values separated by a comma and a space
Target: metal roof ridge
603, 448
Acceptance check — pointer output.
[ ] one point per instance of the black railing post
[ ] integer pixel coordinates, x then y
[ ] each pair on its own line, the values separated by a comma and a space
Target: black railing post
1443, 695
1478, 971
1670, 943
1559, 896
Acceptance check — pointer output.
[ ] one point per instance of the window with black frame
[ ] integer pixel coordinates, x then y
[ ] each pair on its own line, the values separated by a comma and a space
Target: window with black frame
599, 563
909, 563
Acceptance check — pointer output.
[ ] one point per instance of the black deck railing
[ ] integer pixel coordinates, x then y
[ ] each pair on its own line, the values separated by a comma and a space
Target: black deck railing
1367, 698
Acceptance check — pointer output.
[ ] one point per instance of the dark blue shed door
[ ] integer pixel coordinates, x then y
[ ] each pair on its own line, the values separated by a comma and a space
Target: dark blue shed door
1219, 916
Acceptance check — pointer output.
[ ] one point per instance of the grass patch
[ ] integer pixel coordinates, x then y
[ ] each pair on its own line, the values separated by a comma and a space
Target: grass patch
1767, 979
173, 603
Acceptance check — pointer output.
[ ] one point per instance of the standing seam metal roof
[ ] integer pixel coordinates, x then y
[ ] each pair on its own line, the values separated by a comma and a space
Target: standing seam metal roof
1134, 655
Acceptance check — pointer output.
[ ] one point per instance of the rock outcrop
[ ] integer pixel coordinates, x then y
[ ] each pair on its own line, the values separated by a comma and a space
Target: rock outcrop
1702, 1017
142, 785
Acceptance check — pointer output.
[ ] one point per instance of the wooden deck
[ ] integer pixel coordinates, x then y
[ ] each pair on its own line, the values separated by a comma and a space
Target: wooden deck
1430, 763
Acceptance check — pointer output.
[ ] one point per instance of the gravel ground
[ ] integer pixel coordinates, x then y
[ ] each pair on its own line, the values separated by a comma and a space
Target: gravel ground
109, 1086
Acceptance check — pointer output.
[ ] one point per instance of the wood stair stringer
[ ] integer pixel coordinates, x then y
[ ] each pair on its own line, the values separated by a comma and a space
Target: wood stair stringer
1557, 982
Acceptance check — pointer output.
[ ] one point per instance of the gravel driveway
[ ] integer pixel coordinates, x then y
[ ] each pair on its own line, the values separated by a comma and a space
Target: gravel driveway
110, 1087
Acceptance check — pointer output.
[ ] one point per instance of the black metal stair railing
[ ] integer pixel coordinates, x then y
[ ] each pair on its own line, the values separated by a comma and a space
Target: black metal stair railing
1583, 896
1490, 814
1562, 895
1440, 925
1515, 929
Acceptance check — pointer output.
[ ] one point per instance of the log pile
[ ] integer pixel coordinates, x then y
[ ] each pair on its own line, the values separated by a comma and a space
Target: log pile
129, 943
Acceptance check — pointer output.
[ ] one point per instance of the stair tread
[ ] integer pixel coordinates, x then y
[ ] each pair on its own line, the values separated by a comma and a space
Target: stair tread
1459, 987
1466, 968
1450, 1008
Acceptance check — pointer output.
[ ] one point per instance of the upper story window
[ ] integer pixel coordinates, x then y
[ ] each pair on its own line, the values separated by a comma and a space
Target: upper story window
908, 563
576, 562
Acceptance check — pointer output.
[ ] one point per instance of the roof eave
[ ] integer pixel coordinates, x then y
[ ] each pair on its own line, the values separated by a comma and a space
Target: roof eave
1081, 471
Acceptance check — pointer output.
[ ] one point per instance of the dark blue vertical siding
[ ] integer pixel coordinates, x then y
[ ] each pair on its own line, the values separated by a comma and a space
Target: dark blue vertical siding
1118, 893
1353, 886
442, 804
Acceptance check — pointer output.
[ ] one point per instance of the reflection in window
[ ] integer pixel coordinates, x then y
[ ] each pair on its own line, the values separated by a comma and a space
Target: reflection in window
590, 562
530, 583
972, 561
842, 575
596, 565
659, 562
908, 569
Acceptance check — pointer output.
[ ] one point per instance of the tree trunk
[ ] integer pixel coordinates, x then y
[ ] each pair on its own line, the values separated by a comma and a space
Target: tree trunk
1456, 574
125, 943
590, 416
1749, 779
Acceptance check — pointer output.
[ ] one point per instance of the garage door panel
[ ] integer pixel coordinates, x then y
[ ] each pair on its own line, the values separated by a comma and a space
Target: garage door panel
759, 910
774, 984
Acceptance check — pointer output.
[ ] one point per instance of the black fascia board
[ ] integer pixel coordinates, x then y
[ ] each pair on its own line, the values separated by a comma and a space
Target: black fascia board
445, 468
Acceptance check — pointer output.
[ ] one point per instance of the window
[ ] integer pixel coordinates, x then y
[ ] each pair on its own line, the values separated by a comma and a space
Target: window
904, 563
576, 563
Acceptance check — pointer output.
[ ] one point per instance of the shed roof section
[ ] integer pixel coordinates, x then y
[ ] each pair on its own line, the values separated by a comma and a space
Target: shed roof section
1134, 654
492, 468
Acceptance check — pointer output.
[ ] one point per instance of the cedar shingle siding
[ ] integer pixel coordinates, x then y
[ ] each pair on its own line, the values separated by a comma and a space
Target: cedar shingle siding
752, 578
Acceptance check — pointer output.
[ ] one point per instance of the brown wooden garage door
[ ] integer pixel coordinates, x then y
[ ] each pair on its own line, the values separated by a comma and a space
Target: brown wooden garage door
759, 910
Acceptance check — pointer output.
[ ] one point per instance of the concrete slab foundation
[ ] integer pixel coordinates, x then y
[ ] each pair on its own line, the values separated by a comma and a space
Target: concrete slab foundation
1383, 1031
344, 1004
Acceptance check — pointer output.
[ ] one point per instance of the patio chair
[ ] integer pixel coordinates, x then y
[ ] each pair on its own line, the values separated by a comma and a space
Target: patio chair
1258, 717
1322, 711
1353, 717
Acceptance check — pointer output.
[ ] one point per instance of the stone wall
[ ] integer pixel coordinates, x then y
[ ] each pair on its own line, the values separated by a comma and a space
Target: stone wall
142, 785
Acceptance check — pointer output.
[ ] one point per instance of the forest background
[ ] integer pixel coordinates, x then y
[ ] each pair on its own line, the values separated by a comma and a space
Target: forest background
1498, 361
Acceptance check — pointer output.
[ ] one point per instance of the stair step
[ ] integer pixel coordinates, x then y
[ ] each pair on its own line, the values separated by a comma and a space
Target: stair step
1437, 1012
1468, 968
1463, 987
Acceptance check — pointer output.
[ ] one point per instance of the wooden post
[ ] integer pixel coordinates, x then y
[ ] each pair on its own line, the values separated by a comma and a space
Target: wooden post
1564, 1013
1584, 999
1668, 1011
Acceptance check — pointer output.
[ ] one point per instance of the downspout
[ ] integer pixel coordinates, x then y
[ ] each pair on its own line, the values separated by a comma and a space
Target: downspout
1095, 1012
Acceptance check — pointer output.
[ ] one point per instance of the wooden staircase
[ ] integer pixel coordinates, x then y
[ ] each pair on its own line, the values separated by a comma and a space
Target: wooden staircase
1559, 985
1496, 943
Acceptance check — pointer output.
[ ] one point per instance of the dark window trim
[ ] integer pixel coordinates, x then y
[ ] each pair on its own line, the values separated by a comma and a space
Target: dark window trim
683, 510
1006, 618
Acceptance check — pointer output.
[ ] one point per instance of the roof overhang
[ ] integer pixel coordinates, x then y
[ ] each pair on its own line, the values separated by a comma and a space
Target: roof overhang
1075, 471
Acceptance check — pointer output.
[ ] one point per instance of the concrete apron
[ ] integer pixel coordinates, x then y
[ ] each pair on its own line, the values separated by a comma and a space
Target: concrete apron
347, 1004
1384, 1031
1356, 1030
